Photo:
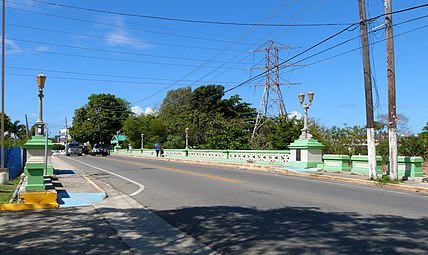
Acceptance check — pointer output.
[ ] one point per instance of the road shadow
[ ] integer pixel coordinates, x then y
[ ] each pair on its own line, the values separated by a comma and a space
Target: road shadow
78, 230
226, 229
299, 230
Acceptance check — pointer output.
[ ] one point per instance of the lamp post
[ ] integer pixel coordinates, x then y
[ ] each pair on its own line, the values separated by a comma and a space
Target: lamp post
41, 78
187, 138
142, 141
305, 131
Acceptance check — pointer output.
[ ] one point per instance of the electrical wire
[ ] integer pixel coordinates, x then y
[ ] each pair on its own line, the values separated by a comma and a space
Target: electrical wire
193, 21
114, 51
105, 58
125, 27
116, 39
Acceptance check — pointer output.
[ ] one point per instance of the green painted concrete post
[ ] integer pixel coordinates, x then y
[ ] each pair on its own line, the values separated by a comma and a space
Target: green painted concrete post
34, 170
305, 153
360, 164
336, 163
36, 148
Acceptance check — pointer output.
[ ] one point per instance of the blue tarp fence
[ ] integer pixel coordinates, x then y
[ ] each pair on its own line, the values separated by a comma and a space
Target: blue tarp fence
14, 159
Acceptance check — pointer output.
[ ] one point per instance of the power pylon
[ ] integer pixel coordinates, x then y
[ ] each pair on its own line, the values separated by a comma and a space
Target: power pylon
272, 103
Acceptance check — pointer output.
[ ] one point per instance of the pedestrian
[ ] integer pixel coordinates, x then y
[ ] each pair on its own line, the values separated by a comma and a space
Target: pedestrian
157, 148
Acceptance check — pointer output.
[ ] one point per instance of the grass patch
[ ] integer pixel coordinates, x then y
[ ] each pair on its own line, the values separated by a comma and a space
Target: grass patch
385, 180
6, 190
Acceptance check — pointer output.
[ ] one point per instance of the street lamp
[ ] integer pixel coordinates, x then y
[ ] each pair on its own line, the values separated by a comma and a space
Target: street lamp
187, 138
305, 131
142, 141
41, 79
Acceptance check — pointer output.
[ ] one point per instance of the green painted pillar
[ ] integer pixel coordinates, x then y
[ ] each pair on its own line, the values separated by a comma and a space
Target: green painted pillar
36, 148
34, 170
305, 153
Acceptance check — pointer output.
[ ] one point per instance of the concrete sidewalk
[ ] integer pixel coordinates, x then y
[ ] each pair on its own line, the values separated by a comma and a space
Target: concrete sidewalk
91, 220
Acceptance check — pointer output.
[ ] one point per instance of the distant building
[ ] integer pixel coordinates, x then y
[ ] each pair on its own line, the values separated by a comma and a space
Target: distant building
62, 136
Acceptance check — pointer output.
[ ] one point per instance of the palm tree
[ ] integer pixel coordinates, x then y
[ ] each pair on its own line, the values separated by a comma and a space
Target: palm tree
17, 130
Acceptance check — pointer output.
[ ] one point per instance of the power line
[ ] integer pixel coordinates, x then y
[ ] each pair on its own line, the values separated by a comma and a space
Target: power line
355, 25
193, 21
112, 51
213, 57
116, 39
104, 58
124, 27
103, 75
93, 80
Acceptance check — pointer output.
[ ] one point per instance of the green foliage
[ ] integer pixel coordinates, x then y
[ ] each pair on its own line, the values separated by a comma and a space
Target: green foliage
206, 115
284, 131
344, 141
386, 180
227, 135
100, 119
6, 190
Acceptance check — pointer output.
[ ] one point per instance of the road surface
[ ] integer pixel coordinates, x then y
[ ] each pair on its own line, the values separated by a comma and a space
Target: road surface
250, 212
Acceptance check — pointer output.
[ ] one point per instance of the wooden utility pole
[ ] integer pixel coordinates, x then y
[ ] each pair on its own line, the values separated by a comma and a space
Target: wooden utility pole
368, 89
392, 114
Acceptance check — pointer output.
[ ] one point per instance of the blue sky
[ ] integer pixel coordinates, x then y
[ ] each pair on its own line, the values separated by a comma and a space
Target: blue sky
139, 59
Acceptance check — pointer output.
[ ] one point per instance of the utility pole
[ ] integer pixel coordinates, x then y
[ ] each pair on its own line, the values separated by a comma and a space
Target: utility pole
2, 165
66, 131
371, 147
392, 114
26, 126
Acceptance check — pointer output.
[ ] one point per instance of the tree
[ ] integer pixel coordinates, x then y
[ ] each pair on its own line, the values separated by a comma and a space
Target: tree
283, 132
207, 98
18, 130
402, 123
100, 119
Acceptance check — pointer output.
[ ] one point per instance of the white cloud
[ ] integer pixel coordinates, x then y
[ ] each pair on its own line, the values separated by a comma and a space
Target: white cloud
137, 110
120, 37
149, 110
295, 114
12, 47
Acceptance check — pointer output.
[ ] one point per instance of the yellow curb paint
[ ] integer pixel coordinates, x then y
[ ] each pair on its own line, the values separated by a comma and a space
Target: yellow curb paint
39, 197
183, 171
20, 207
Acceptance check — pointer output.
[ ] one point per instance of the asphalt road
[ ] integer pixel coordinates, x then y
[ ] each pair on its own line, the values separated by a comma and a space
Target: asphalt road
249, 212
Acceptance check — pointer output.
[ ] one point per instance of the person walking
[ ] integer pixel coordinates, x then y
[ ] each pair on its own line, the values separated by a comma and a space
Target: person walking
157, 148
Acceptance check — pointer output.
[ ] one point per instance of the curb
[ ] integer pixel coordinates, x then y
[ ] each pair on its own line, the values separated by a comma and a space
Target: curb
275, 169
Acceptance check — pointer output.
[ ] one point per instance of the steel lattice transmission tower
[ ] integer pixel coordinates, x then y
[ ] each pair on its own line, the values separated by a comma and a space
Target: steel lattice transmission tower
272, 103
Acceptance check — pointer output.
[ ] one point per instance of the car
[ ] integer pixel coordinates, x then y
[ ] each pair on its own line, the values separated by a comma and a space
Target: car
100, 149
73, 148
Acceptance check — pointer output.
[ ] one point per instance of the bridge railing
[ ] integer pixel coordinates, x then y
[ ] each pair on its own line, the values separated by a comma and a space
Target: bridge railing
240, 156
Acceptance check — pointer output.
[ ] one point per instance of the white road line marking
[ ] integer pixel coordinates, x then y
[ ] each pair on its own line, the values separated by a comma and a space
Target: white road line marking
140, 186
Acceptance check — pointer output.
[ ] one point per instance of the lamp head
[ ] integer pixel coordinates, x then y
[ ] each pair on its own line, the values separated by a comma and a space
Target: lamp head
301, 98
41, 78
310, 96
187, 130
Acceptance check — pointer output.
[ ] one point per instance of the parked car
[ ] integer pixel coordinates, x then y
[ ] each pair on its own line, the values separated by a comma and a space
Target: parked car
100, 149
73, 148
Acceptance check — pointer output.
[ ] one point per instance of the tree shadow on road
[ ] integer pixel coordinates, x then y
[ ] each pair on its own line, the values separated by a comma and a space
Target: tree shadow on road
226, 229
299, 230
